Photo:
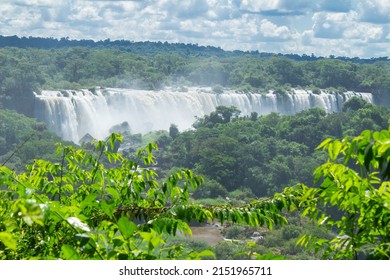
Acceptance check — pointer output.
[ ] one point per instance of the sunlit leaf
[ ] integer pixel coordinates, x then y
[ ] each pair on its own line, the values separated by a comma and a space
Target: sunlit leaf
69, 253
7, 239
126, 227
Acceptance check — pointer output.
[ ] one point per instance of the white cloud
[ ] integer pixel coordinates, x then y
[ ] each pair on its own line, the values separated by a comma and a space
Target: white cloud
259, 5
184, 9
330, 25
89, 13
346, 26
301, 26
307, 37
376, 11
33, 3
269, 29
364, 31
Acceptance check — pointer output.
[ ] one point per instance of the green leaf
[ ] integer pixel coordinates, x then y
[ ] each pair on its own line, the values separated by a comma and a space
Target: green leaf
368, 156
334, 149
112, 141
108, 208
88, 201
8, 240
324, 144
126, 227
69, 253
113, 192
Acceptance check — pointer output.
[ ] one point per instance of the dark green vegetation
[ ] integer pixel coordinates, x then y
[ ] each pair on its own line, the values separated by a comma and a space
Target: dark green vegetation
151, 48
23, 139
264, 155
100, 205
51, 64
95, 203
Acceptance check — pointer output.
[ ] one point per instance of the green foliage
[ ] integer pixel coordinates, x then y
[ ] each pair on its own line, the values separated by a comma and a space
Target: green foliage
235, 232
173, 131
291, 231
354, 181
22, 139
101, 205
268, 153
25, 70
242, 250
211, 189
225, 251
354, 104
221, 115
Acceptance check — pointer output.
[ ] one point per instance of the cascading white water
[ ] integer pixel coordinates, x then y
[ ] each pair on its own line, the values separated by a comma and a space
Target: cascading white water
73, 113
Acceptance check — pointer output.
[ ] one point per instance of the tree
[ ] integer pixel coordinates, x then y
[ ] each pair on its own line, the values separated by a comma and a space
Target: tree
173, 131
355, 182
354, 104
254, 116
221, 115
284, 71
336, 73
210, 189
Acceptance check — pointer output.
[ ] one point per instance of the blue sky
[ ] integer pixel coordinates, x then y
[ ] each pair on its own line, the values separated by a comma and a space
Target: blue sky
323, 27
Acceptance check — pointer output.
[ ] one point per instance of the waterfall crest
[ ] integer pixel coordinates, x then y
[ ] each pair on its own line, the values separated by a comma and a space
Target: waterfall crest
73, 113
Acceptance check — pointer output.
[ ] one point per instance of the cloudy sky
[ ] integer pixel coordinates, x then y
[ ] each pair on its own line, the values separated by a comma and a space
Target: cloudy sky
323, 27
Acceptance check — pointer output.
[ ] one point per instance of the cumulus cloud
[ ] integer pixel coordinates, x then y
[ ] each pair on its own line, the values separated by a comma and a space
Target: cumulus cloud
330, 25
347, 27
269, 29
260, 5
276, 7
184, 9
375, 11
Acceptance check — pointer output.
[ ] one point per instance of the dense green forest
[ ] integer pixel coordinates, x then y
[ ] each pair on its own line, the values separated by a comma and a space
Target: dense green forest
135, 196
98, 204
71, 66
240, 160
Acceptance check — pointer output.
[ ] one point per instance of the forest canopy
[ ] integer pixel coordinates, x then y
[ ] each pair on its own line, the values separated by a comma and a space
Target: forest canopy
33, 64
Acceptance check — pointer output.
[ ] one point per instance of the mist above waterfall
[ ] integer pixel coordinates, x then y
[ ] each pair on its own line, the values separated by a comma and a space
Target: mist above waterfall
74, 113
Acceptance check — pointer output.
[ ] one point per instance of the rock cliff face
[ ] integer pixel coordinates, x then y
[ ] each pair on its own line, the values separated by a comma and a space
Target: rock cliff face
74, 113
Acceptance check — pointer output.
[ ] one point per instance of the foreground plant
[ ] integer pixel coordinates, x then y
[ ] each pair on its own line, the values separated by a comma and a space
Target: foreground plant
353, 199
100, 205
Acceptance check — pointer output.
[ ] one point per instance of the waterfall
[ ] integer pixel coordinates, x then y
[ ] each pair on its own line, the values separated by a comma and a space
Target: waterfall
73, 113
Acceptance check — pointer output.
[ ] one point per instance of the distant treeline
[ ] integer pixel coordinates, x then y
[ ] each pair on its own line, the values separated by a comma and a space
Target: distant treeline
152, 48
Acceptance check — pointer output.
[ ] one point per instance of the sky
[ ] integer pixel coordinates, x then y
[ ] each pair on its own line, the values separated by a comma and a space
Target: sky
352, 28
